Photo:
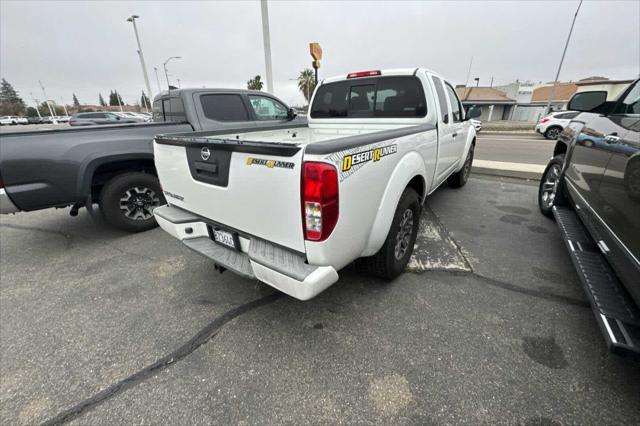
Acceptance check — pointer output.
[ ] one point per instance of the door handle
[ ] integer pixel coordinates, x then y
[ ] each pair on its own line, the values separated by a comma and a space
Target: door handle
454, 134
612, 138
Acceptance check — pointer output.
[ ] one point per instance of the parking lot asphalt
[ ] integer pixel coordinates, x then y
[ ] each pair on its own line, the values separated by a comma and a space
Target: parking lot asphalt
491, 326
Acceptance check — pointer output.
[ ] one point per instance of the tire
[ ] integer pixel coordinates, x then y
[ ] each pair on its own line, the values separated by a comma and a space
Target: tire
550, 191
392, 258
127, 201
553, 132
459, 179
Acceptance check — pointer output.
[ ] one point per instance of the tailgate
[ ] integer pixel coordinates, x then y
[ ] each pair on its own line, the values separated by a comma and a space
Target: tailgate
250, 187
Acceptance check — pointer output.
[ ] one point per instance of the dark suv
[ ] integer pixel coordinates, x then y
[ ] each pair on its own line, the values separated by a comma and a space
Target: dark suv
592, 188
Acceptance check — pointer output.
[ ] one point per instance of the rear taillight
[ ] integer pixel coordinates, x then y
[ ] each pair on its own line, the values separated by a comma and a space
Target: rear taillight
319, 200
363, 74
544, 120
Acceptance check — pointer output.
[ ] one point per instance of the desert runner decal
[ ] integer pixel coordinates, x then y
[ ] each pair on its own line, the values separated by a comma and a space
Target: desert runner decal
375, 154
269, 163
350, 161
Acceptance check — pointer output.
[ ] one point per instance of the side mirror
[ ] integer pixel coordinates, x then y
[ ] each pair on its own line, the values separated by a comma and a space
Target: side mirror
587, 101
473, 112
291, 114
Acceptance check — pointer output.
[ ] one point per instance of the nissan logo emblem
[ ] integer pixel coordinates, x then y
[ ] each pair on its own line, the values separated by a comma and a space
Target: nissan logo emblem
205, 153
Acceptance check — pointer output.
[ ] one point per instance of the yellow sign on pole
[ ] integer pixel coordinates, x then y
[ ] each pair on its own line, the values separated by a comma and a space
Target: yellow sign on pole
315, 50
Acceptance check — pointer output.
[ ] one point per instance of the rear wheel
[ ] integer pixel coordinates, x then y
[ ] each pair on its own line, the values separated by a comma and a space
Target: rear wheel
549, 193
392, 258
127, 201
552, 133
459, 179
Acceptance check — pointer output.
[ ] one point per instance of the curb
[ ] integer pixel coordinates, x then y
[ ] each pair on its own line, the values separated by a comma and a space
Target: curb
508, 132
513, 170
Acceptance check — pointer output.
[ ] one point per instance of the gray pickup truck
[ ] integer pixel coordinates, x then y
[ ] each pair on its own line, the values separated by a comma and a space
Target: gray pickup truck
113, 165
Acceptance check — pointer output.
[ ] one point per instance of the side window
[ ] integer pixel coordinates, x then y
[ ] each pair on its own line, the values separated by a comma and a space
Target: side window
442, 99
267, 109
630, 105
456, 109
224, 107
566, 115
175, 111
158, 114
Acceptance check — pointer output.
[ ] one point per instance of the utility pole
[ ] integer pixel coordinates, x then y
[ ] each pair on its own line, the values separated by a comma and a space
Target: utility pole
466, 83
491, 84
157, 79
555, 82
132, 19
46, 100
37, 105
477, 79
267, 44
178, 82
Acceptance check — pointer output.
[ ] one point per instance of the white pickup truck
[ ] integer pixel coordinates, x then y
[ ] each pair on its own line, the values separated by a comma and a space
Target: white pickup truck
292, 206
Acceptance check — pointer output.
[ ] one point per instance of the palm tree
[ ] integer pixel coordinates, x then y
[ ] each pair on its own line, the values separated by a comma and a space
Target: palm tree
307, 83
254, 83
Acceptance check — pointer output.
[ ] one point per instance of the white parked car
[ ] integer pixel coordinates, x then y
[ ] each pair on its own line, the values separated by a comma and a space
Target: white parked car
553, 124
12, 120
291, 206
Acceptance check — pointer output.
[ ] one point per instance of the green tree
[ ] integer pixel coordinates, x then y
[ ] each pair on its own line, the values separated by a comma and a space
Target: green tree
10, 102
255, 83
31, 112
101, 100
114, 96
44, 109
76, 102
307, 83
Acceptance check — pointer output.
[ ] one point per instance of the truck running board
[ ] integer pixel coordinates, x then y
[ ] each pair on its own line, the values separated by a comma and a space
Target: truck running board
616, 313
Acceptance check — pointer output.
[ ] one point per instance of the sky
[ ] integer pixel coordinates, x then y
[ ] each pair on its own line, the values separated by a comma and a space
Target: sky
88, 47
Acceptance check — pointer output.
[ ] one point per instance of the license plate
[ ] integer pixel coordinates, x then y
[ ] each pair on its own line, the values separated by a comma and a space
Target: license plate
225, 238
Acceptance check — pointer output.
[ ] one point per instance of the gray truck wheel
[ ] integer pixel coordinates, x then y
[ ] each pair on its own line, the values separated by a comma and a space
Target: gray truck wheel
127, 201
392, 258
459, 179
549, 191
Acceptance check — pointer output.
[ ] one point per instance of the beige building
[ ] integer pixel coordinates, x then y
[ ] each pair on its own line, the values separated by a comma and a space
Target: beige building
613, 87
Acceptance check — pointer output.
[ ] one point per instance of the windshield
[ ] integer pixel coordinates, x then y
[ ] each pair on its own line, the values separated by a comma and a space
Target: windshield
388, 97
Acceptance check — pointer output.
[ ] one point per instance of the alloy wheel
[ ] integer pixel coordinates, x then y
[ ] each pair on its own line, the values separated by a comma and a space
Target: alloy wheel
138, 203
403, 237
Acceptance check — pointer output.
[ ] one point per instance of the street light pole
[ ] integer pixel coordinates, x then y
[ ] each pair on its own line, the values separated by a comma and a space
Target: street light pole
157, 79
37, 105
132, 19
45, 99
267, 44
64, 106
166, 74
555, 82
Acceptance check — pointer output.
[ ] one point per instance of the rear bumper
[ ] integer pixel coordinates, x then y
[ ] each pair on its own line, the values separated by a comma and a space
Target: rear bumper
6, 205
282, 269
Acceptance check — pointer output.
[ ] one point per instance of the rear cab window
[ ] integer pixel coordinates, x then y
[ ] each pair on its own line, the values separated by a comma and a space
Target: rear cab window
224, 107
442, 99
169, 109
388, 97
